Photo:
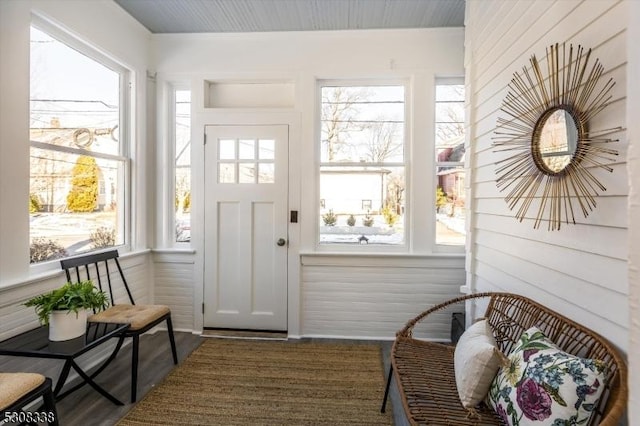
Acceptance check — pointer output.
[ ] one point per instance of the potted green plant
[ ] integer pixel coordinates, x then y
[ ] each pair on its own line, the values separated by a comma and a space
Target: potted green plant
55, 308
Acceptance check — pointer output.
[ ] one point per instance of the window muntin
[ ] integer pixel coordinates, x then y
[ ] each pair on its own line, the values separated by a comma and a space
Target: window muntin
362, 158
77, 161
182, 150
450, 154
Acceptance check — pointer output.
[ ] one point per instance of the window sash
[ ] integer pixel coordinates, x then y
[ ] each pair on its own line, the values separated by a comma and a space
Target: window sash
444, 119
400, 161
179, 232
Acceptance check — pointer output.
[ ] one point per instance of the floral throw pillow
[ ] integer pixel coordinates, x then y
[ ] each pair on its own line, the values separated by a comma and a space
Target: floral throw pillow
542, 385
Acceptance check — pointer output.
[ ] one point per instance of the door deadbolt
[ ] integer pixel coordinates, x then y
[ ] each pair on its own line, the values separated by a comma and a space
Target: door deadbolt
281, 242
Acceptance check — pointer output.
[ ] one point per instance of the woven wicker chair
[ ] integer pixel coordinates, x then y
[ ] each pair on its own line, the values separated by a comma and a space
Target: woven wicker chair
425, 375
140, 317
18, 390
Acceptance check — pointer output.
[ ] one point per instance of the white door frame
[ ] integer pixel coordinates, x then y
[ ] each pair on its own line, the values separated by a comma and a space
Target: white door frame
202, 117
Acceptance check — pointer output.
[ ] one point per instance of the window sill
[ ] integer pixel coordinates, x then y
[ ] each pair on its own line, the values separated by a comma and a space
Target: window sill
174, 250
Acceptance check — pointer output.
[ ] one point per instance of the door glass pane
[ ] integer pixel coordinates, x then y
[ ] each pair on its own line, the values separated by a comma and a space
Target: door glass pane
226, 173
247, 149
267, 149
247, 172
227, 149
266, 173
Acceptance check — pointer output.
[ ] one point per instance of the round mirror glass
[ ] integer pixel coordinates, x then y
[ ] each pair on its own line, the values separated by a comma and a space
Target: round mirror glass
558, 140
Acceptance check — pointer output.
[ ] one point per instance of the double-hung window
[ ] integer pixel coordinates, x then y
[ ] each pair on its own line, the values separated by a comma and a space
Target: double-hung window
78, 147
450, 154
362, 164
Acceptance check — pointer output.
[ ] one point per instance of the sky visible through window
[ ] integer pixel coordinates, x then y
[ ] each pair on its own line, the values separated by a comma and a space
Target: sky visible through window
60, 73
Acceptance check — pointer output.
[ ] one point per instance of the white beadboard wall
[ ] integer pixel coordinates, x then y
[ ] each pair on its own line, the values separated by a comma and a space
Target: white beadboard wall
173, 286
580, 270
373, 297
342, 296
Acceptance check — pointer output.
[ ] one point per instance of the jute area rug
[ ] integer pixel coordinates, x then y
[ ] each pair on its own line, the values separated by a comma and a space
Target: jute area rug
238, 382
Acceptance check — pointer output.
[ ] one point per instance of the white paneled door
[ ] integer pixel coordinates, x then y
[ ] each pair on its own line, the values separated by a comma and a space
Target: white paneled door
245, 250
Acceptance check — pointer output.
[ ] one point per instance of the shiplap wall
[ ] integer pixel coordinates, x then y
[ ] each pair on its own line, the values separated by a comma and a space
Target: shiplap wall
633, 165
580, 270
342, 296
173, 286
373, 297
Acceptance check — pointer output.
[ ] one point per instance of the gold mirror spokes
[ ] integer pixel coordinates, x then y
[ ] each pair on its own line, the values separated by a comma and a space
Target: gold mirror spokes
551, 152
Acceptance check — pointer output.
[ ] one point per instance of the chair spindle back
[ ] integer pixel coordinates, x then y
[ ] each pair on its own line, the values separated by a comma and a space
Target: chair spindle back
87, 267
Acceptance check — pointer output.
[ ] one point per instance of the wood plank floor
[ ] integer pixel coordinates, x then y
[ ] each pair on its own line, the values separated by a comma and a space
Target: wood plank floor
86, 407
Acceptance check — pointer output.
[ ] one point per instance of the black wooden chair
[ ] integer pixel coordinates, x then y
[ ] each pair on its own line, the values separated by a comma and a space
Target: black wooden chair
99, 268
17, 390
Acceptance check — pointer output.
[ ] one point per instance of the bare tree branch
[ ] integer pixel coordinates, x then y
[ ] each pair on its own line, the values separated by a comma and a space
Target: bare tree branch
339, 111
384, 141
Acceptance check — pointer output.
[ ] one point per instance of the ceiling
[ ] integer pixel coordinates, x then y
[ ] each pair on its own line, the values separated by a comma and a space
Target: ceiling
222, 16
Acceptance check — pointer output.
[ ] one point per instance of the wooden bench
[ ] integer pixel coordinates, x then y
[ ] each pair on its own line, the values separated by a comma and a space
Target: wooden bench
424, 371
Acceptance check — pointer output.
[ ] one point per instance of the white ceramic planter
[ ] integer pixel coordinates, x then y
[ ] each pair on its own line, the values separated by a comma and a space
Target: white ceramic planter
66, 325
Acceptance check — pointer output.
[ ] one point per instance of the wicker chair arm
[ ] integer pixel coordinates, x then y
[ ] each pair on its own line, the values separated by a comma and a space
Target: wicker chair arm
407, 331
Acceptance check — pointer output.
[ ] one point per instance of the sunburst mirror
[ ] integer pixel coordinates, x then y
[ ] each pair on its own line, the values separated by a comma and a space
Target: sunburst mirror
552, 151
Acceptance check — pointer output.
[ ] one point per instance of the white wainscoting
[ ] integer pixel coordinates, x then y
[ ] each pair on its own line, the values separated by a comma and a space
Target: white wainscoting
173, 285
372, 297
